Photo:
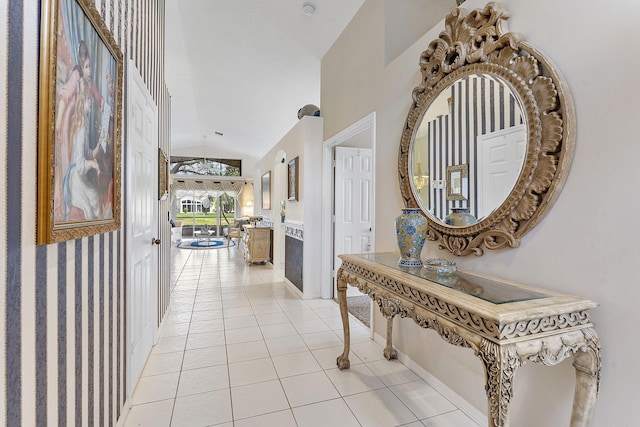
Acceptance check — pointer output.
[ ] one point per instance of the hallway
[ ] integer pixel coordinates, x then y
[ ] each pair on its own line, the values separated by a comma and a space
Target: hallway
239, 348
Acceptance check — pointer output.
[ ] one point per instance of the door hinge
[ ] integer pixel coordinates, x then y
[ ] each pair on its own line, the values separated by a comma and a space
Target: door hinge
333, 163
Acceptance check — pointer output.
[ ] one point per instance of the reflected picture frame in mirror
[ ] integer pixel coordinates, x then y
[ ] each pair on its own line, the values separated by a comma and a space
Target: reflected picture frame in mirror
458, 182
528, 91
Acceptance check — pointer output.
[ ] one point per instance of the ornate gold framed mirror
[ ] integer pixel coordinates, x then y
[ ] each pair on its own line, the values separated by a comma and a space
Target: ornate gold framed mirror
490, 101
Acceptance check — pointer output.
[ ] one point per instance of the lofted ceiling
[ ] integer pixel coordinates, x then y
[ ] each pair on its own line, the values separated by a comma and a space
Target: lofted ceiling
243, 68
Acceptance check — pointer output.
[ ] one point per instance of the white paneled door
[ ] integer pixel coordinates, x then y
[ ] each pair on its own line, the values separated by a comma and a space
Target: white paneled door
142, 224
353, 207
501, 158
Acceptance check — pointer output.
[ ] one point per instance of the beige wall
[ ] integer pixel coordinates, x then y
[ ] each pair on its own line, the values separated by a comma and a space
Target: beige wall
245, 199
352, 70
304, 141
584, 246
298, 142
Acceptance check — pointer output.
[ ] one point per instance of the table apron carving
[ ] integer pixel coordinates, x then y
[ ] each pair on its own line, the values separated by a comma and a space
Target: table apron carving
502, 347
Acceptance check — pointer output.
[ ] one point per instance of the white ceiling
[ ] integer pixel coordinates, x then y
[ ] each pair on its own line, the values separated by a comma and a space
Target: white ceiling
244, 68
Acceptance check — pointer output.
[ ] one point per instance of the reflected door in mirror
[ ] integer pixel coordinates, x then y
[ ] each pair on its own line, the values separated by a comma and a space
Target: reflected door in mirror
502, 156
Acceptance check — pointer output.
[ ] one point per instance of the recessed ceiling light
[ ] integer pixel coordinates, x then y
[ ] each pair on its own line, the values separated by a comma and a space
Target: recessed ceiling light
308, 9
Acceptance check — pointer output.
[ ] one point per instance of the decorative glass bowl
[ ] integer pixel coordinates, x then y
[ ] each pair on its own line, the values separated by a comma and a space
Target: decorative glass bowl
440, 266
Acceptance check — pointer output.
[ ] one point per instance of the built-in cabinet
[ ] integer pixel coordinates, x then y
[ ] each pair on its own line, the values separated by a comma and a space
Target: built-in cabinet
294, 255
257, 244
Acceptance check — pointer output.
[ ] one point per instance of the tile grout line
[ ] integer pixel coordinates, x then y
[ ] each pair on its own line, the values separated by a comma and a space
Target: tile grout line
247, 286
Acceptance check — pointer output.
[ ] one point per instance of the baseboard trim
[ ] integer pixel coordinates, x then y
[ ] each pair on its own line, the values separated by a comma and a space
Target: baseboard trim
126, 407
469, 410
294, 288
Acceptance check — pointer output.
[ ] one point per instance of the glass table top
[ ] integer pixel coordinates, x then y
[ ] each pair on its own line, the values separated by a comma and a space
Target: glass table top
479, 287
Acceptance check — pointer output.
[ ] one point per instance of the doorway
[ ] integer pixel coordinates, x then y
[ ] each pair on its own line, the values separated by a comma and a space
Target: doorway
352, 226
354, 144
198, 209
141, 224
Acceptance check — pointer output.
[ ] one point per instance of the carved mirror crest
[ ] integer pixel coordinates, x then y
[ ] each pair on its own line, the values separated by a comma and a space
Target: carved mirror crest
490, 101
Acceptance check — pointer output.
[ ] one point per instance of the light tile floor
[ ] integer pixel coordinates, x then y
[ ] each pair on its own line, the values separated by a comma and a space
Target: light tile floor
239, 348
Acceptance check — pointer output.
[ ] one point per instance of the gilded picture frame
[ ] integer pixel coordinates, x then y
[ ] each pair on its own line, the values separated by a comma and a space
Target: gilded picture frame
79, 123
163, 175
266, 190
458, 182
293, 178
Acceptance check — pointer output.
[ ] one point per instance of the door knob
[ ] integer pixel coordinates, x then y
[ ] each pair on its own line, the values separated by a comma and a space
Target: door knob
155, 241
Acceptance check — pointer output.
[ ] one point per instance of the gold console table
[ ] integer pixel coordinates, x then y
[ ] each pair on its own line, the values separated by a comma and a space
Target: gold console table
504, 323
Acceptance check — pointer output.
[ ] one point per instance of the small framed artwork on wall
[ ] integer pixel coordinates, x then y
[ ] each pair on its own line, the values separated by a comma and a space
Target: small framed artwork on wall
163, 175
293, 179
266, 191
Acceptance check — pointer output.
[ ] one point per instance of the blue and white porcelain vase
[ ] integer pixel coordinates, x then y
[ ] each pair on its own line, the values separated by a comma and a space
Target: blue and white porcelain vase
411, 231
460, 217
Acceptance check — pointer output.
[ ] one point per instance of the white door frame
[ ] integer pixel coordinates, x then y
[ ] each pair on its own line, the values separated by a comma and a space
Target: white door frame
366, 123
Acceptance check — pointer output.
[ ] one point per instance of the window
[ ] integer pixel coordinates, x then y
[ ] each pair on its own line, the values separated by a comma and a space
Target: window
182, 165
190, 205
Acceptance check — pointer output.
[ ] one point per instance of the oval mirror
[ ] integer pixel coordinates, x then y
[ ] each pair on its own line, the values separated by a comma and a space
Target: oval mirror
489, 138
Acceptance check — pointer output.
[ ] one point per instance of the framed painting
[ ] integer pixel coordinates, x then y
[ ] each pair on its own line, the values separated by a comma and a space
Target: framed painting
293, 179
458, 182
79, 123
163, 175
266, 191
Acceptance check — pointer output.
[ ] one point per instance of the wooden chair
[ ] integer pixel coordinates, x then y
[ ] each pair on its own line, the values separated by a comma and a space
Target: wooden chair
234, 233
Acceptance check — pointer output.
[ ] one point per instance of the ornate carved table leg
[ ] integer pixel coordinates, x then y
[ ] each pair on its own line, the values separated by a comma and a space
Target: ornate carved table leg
500, 366
587, 363
389, 308
343, 359
389, 352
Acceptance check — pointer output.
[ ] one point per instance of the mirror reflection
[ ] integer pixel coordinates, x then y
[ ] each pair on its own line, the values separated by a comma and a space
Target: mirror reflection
468, 149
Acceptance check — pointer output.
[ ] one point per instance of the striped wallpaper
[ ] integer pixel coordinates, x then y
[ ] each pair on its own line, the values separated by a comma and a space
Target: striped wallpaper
62, 306
479, 105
